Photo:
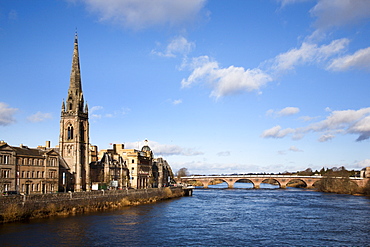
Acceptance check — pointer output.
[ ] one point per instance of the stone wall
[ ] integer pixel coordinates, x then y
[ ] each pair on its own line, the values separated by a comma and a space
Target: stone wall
20, 207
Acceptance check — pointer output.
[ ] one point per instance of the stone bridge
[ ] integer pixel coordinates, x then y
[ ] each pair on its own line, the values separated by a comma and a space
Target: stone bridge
256, 180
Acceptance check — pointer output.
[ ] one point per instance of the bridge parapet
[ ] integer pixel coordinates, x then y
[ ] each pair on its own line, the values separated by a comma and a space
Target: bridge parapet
256, 180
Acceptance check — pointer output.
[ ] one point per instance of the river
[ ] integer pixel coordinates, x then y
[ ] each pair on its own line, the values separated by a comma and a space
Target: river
211, 217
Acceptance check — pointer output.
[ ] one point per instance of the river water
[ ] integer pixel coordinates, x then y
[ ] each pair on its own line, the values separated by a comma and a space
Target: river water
211, 217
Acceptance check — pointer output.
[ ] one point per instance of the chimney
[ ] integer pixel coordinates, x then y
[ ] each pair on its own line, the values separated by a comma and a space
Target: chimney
47, 144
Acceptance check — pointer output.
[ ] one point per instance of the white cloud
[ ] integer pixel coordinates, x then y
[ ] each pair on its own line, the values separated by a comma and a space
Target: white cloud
363, 163
361, 127
291, 149
178, 45
207, 168
287, 111
39, 117
306, 118
344, 122
142, 14
176, 102
232, 80
6, 114
339, 120
165, 149
287, 2
225, 81
276, 132
338, 13
360, 59
326, 137
224, 153
295, 149
100, 109
95, 108
308, 53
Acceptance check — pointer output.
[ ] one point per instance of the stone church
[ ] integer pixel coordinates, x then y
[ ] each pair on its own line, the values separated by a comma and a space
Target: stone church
74, 128
75, 164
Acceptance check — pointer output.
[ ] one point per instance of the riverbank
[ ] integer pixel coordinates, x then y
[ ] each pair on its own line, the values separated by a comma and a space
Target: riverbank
17, 208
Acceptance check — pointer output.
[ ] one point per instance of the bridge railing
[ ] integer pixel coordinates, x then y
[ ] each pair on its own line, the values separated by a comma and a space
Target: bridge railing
260, 176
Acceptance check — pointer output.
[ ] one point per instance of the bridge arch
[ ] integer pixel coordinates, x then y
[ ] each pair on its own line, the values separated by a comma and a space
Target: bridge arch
272, 181
218, 183
242, 183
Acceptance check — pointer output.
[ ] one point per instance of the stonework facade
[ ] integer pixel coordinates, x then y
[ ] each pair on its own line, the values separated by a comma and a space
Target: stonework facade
28, 170
143, 170
75, 164
74, 128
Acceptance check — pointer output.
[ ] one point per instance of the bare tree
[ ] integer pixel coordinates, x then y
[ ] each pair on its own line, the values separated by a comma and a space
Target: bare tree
183, 172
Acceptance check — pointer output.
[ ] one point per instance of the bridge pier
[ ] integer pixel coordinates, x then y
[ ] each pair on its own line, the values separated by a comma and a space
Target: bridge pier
283, 183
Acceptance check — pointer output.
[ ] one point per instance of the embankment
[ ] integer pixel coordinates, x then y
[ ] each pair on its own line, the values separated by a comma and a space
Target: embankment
16, 208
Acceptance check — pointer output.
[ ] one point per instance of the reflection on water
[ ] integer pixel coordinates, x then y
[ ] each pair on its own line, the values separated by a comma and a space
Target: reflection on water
240, 185
213, 217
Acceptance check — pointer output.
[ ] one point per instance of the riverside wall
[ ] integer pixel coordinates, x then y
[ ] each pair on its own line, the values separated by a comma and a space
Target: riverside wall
22, 207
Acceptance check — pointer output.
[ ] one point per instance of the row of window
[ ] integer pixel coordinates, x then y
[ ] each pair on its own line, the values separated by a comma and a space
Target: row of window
5, 159
27, 188
36, 162
38, 174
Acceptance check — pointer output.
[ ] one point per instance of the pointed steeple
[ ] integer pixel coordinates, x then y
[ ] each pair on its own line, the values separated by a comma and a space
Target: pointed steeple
75, 97
86, 108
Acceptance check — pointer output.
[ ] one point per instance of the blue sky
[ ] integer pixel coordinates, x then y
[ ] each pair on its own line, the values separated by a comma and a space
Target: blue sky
217, 87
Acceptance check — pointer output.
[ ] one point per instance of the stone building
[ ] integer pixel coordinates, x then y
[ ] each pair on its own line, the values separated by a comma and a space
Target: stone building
162, 173
138, 164
74, 128
143, 170
29, 170
109, 172
75, 164
365, 172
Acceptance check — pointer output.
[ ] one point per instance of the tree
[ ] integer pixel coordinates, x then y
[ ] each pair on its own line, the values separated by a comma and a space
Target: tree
336, 180
183, 172
307, 172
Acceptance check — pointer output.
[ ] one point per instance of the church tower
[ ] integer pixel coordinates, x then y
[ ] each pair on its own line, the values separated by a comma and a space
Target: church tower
74, 128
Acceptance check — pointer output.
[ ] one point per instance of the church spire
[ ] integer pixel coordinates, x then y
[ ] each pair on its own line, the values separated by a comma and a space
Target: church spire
75, 97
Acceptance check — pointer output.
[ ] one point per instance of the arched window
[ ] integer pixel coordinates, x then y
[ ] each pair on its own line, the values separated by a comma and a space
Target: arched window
70, 132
